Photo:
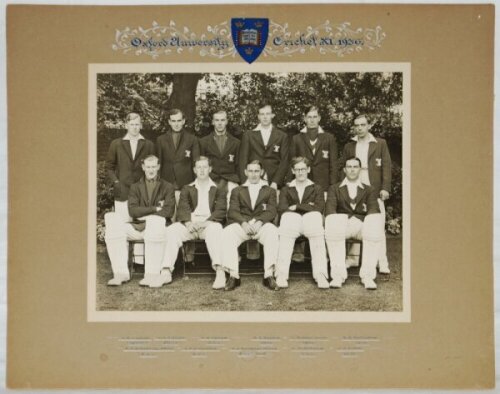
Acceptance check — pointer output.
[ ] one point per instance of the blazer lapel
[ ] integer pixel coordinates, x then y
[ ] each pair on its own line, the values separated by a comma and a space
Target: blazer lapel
140, 145
359, 195
211, 198
273, 138
345, 197
144, 193
128, 149
155, 191
372, 147
293, 194
307, 192
261, 196
308, 145
213, 147
194, 197
245, 195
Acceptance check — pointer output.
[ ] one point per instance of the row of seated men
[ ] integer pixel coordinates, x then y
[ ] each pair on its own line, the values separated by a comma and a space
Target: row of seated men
351, 211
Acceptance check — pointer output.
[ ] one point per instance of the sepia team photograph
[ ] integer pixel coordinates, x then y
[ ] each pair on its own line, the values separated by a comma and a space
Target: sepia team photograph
273, 191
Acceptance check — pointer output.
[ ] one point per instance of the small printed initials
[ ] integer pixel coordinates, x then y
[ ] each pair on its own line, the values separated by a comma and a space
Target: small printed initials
188, 153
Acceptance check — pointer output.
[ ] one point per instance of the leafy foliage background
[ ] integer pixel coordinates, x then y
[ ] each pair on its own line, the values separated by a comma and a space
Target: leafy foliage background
339, 97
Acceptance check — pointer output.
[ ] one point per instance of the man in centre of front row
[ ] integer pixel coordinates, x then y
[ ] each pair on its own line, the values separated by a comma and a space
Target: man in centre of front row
352, 211
201, 210
151, 204
301, 205
252, 209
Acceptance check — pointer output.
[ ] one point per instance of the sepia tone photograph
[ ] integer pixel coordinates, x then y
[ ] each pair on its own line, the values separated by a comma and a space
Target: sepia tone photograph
275, 191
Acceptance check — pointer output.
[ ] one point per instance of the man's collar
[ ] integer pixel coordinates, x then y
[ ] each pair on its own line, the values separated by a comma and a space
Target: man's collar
155, 179
128, 137
260, 127
294, 183
320, 130
196, 184
220, 134
371, 138
358, 183
261, 183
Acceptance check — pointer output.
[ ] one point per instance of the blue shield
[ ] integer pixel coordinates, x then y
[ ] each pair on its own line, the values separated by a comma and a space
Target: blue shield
249, 36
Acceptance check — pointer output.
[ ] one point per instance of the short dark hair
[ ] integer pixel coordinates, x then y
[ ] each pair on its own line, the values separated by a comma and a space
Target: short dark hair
311, 108
368, 120
352, 158
299, 159
263, 105
219, 111
175, 111
255, 162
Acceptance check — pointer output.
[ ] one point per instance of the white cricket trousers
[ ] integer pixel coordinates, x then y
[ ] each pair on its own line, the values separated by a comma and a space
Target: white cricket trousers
177, 234
118, 233
233, 236
293, 225
338, 228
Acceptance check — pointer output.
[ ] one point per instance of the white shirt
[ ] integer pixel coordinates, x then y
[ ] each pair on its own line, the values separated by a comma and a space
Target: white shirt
300, 189
362, 154
253, 190
352, 189
265, 132
202, 211
133, 142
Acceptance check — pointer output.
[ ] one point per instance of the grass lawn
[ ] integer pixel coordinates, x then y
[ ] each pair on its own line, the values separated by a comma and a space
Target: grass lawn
194, 292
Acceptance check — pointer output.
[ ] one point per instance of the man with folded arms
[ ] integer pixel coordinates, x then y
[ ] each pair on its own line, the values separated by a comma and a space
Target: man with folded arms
352, 211
252, 209
301, 206
201, 210
151, 205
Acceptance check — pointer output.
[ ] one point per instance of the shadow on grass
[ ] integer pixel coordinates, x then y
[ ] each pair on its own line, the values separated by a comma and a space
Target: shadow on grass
195, 293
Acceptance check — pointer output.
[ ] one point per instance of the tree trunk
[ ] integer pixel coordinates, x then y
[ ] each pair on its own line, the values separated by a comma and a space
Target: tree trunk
183, 97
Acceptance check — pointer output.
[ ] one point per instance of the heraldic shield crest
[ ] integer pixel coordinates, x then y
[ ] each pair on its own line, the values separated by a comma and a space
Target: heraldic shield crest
250, 36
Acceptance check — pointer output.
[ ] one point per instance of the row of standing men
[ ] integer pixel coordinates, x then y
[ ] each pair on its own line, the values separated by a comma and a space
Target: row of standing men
177, 151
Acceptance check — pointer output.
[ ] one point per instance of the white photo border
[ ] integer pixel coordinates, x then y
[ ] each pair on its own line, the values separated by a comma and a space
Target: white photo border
93, 315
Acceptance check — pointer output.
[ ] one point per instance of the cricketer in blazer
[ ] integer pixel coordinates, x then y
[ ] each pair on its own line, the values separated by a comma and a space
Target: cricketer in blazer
338, 201
379, 163
122, 169
225, 163
313, 199
188, 201
274, 156
323, 161
140, 204
177, 164
240, 205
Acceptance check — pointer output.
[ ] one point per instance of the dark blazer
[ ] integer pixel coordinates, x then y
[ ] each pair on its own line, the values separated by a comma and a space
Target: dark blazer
274, 156
177, 164
338, 201
312, 200
188, 201
122, 168
379, 163
240, 205
225, 164
324, 169
140, 204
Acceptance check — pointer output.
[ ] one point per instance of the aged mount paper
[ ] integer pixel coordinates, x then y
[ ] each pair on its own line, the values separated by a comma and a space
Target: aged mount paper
446, 342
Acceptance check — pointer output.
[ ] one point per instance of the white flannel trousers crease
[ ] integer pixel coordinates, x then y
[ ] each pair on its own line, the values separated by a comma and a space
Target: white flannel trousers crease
311, 226
118, 233
178, 233
338, 228
233, 236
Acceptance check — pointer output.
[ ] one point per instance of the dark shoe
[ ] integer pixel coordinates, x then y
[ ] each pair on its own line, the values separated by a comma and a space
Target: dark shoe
138, 268
232, 283
270, 283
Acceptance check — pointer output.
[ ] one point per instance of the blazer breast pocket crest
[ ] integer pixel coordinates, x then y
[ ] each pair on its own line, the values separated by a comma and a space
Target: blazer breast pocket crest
264, 207
325, 154
364, 207
188, 153
276, 148
231, 158
378, 161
